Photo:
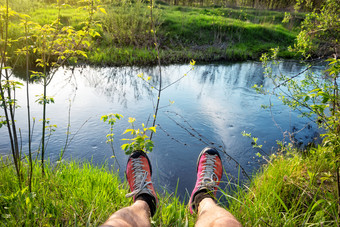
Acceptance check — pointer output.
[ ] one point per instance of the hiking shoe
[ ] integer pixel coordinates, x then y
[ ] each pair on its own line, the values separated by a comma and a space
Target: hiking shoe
209, 174
138, 175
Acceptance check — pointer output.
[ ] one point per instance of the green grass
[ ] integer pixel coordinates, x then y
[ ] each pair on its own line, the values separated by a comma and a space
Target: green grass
203, 34
69, 16
292, 189
184, 33
231, 33
73, 194
122, 56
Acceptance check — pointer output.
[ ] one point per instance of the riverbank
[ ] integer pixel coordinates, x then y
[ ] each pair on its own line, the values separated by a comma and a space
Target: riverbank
205, 34
292, 189
185, 33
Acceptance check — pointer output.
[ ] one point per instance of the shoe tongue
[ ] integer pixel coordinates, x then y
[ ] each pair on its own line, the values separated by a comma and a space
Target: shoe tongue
135, 155
211, 152
139, 179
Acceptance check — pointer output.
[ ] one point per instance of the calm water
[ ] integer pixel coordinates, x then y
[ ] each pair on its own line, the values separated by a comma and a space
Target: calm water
213, 104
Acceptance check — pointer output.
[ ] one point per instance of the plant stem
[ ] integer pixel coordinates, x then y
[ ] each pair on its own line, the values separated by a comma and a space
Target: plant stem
159, 67
9, 116
28, 114
43, 127
338, 187
44, 114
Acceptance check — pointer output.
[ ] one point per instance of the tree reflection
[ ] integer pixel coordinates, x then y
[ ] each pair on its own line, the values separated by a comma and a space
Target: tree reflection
120, 84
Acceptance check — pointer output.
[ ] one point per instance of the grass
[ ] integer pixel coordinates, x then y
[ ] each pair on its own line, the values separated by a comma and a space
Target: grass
69, 16
203, 34
292, 189
223, 34
184, 33
74, 194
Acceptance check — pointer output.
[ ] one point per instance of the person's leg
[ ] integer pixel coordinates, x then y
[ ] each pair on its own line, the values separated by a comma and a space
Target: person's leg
138, 174
138, 214
209, 174
210, 214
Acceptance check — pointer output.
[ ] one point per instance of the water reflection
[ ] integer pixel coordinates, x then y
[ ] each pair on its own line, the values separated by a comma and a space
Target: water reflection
217, 101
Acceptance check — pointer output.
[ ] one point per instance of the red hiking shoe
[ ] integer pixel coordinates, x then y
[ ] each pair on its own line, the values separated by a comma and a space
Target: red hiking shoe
138, 175
209, 174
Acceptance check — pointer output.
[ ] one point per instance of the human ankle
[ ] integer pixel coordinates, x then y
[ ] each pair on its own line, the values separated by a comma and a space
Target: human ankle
202, 194
150, 200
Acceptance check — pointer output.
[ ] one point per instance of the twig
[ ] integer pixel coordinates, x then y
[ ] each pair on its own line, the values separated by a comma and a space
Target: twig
159, 67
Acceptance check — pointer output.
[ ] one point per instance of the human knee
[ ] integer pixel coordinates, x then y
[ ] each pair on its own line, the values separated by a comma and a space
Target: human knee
124, 213
122, 217
225, 221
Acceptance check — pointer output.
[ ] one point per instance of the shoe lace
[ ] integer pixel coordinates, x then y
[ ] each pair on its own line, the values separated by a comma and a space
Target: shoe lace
208, 178
140, 176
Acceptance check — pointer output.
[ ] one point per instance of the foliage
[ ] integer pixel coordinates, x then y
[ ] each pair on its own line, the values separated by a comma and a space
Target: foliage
320, 33
314, 96
255, 144
111, 119
8, 88
50, 46
54, 45
140, 140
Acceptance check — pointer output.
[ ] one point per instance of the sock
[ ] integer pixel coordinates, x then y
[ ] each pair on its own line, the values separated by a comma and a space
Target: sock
150, 200
202, 194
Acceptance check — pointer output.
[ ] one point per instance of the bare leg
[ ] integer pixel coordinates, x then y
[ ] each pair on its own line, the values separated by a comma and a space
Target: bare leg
138, 174
138, 214
210, 214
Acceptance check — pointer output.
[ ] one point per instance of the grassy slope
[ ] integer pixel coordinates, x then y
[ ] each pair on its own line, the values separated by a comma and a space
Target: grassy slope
184, 33
206, 35
291, 190
234, 34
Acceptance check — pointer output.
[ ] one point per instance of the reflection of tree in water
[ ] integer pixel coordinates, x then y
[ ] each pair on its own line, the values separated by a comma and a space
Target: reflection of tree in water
233, 76
290, 68
120, 84
208, 74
